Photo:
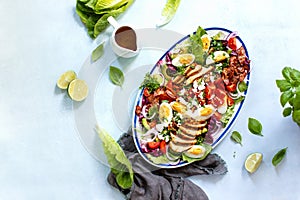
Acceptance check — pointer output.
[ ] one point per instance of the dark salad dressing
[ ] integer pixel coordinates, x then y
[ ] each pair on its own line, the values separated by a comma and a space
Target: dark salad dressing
126, 38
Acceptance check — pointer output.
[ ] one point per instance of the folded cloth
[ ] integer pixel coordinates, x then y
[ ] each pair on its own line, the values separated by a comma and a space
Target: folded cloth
154, 183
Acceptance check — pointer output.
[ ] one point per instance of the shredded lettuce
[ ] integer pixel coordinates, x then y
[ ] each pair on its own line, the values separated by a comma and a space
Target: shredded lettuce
168, 12
119, 163
227, 116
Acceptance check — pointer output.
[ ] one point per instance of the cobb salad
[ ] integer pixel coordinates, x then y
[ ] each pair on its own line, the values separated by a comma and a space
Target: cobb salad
190, 96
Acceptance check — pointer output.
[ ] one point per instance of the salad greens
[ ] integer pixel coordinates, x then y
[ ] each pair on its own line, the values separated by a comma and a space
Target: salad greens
255, 126
116, 76
279, 156
150, 82
119, 163
168, 12
197, 45
290, 93
94, 13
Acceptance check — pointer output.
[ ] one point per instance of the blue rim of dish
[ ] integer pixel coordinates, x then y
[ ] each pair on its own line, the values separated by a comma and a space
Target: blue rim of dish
224, 132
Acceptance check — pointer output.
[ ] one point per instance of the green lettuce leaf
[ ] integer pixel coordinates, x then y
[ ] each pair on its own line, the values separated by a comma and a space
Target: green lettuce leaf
119, 163
109, 4
168, 12
94, 13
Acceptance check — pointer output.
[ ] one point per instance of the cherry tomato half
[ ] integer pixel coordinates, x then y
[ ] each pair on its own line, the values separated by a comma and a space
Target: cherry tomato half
162, 147
153, 145
232, 43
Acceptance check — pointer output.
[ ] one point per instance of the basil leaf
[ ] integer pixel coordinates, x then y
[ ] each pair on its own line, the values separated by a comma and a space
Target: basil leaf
287, 111
279, 156
283, 85
295, 75
98, 52
255, 126
286, 73
296, 101
117, 160
236, 136
285, 97
296, 116
116, 76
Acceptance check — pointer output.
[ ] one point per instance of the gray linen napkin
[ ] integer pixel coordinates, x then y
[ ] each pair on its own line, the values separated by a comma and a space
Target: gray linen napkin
153, 183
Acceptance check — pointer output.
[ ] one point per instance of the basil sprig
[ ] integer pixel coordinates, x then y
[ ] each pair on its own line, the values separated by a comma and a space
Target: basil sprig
290, 93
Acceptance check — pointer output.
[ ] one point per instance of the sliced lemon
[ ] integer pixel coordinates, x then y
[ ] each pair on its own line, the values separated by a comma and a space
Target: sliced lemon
78, 90
253, 161
65, 79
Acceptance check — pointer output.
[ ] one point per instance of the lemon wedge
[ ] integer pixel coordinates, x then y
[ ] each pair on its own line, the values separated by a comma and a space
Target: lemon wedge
253, 161
65, 79
78, 90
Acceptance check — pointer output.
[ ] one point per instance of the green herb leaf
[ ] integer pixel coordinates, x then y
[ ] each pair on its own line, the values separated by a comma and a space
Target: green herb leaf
296, 101
290, 88
116, 76
287, 111
98, 52
283, 85
286, 73
295, 75
296, 116
285, 97
150, 82
119, 163
255, 126
279, 156
236, 136
168, 12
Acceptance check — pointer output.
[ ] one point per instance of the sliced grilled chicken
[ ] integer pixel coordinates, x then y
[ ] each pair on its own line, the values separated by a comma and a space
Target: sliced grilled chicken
191, 71
190, 132
178, 140
178, 79
194, 124
203, 71
178, 148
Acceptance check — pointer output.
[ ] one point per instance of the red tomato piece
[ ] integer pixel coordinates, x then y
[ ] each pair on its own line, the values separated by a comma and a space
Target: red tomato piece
231, 87
162, 147
153, 145
230, 101
146, 92
232, 43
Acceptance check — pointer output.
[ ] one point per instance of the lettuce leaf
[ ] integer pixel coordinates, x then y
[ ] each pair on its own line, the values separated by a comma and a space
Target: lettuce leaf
94, 13
119, 163
197, 46
168, 12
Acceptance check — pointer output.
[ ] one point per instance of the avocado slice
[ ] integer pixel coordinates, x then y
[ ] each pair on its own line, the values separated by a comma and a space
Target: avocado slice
164, 69
145, 124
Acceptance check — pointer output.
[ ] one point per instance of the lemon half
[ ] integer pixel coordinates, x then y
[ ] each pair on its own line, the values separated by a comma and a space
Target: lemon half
65, 79
78, 90
253, 161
